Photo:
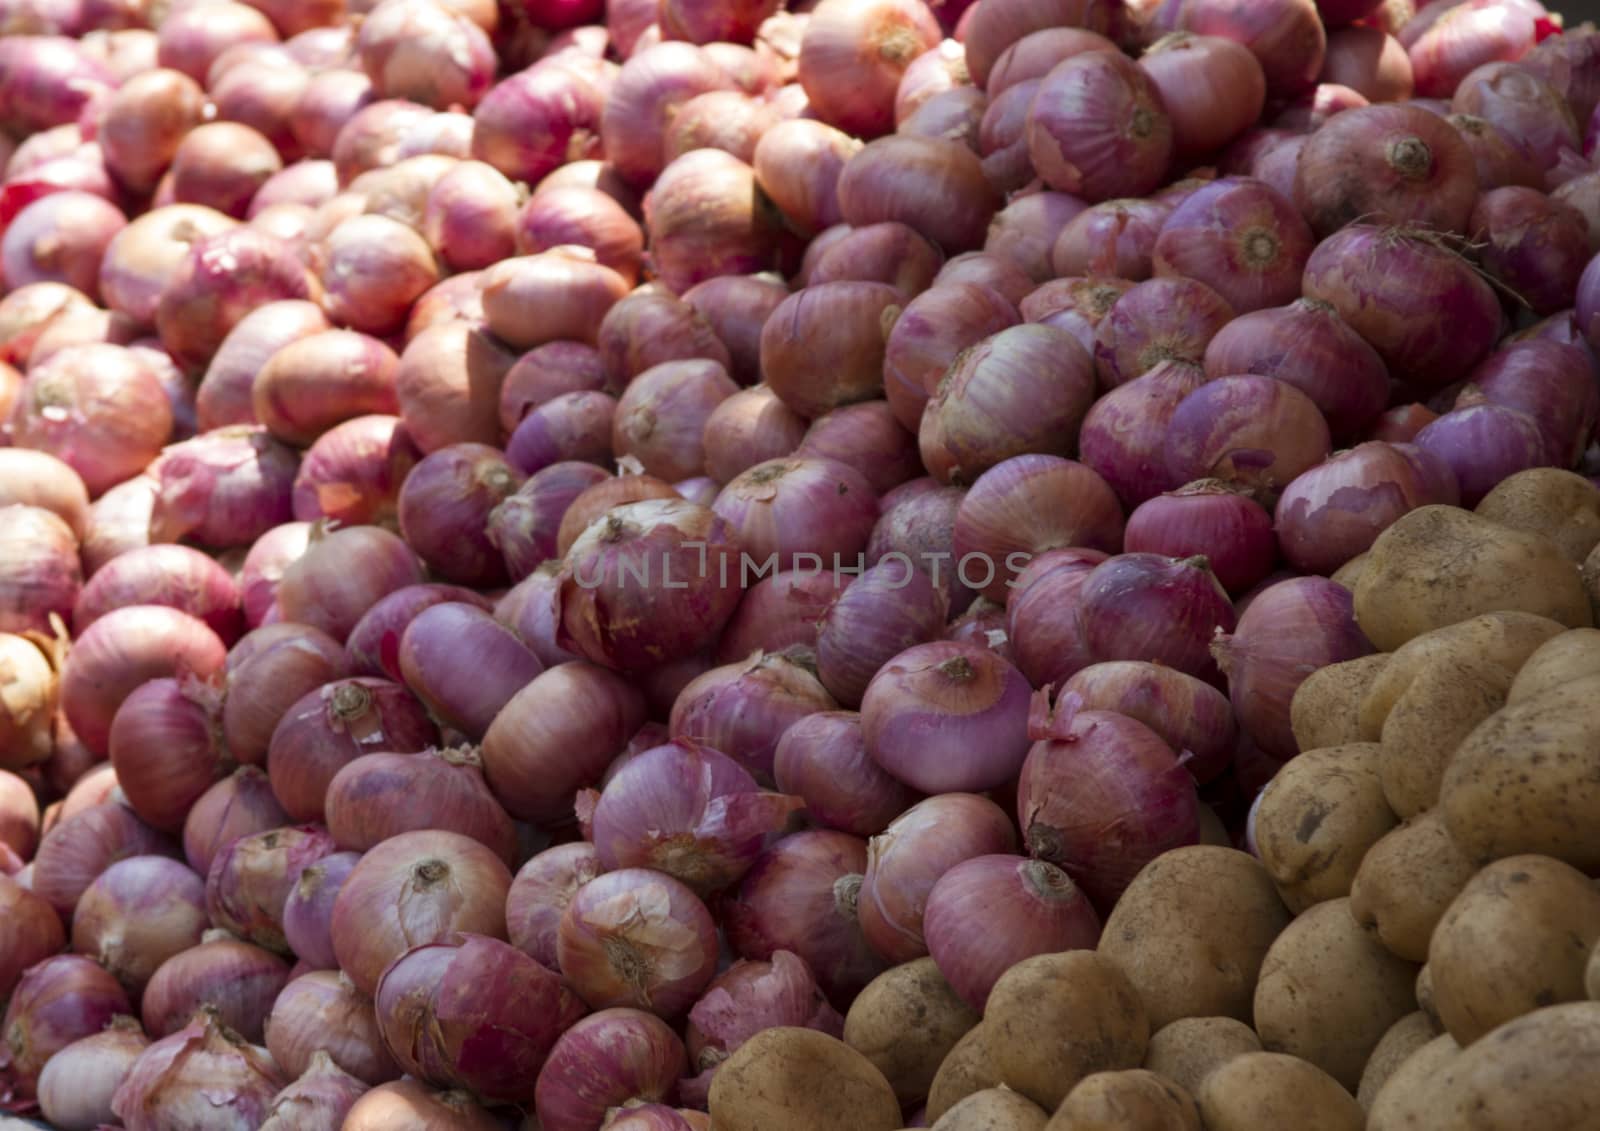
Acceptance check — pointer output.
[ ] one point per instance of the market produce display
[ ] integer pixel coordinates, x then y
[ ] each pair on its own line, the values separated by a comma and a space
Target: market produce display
830, 565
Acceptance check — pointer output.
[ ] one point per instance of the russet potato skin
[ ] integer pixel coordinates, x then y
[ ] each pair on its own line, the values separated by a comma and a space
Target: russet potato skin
1133, 1100
1552, 502
1268, 1091
1404, 1037
995, 1109
1326, 708
1405, 883
787, 1079
905, 1022
1187, 1050
1561, 659
1405, 1102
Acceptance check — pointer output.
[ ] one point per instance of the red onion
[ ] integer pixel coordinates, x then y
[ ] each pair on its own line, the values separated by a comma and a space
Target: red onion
705, 219
352, 473
170, 575
1090, 771
887, 252
538, 119
326, 588
649, 328
1189, 715
85, 787
122, 650
449, 383
323, 1012
1126, 149
250, 879
1311, 111
176, 1082
1123, 437
142, 258
1378, 280
953, 115
1290, 630
1042, 618
797, 164
1003, 137
652, 85
462, 696
561, 293
1079, 305
853, 56
988, 913
662, 415
30, 930
1534, 246
373, 135
1025, 231
922, 528
929, 334
603, 1062
38, 479
32, 696
50, 81
780, 611
1484, 444
524, 526
1552, 382
1034, 55
268, 671
1126, 597
62, 238
320, 1098
743, 708
1307, 345
593, 503
972, 422
308, 184
222, 165
1278, 164
556, 736
471, 216
39, 573
729, 120
540, 894
1257, 432
19, 815
1370, 61
222, 278
802, 896
137, 914
1531, 113
740, 1002
823, 758
439, 1003
382, 795
57, 1002
994, 271
578, 216
1498, 161
237, 806
375, 269
892, 606
319, 381
1239, 237
308, 909
444, 510
426, 53
1583, 195
225, 392
1169, 319
413, 889
550, 371
907, 859
1212, 88
867, 437
734, 22
1025, 506
88, 326
27, 310
933, 185
737, 307
166, 744
406, 1105
1392, 164
1213, 520
373, 647
747, 428
333, 725
1285, 36
783, 512
77, 1084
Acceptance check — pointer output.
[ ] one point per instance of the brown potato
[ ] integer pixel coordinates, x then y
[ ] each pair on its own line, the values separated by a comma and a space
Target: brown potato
1518, 937
905, 1022
1528, 780
1191, 930
1536, 1073
1406, 1100
1212, 830
994, 1109
1561, 659
1268, 1091
1317, 818
1187, 1050
1131, 1100
1423, 990
1440, 565
1406, 881
1326, 709
1557, 504
1591, 580
801, 1080
1329, 992
1404, 1037
1591, 976
1350, 573
1055, 1018
1444, 704
970, 1067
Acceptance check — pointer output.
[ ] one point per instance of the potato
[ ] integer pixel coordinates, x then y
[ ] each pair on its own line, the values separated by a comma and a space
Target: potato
1440, 565
1591, 580
1055, 1018
1496, 640
905, 1022
1423, 991
1518, 937
970, 1067
1405, 1101
1329, 992
1528, 780
1326, 708
1191, 930
1350, 573
1268, 1091
1188, 1049
787, 1079
1444, 704
1317, 818
1572, 655
1132, 1100
1406, 881
1536, 1073
994, 1109
1560, 505
1404, 1037
1591, 976
1212, 830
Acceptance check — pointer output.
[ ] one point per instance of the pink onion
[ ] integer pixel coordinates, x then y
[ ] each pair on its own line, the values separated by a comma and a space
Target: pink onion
933, 185
737, 307
323, 1012
593, 503
743, 708
142, 257
170, 575
1090, 771
1168, 319
1209, 519
406, 1105
823, 758
704, 219
250, 879
1127, 596
1498, 161
604, 1061
38, 479
525, 525
662, 415
382, 795
561, 293
221, 279
729, 120
137, 914
237, 806
77, 1085
798, 509
1098, 130
797, 165
39, 573
991, 270
373, 646
1211, 86
549, 371
225, 392
444, 510
780, 611
577, 216
884, 252
1285, 36
1257, 432
1191, 716
1239, 237
33, 694
311, 183
867, 437
538, 119
426, 53
1123, 437
556, 736
988, 913
319, 381
1484, 444
30, 930
353, 472
222, 165
1079, 305
1034, 55
177, 1081
1289, 631
927, 337
1534, 246
59, 1001
467, 699
1025, 231
330, 99
540, 894
1531, 113
326, 589
1552, 382
320, 1098
19, 815
268, 671
802, 896
375, 135
853, 56
1003, 137
1025, 506
1370, 61
308, 909
449, 384
649, 89
922, 528
995, 27
747, 428
166, 743
1042, 618
375, 269
907, 859
60, 237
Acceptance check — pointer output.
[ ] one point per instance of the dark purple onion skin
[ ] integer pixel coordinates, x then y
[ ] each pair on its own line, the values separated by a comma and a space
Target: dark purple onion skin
1124, 435
373, 646
464, 664
1485, 443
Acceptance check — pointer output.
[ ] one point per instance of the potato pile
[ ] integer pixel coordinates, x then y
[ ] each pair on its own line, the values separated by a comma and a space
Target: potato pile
1412, 944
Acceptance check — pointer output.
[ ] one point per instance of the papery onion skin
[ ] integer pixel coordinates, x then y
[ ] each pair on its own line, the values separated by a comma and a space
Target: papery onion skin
138, 913
907, 859
886, 251
308, 909
320, 1098
1190, 715
78, 1082
75, 852
1167, 319
1531, 113
61, 1000
381, 795
324, 1012
30, 705
993, 29
250, 879
238, 805
778, 612
1114, 239
823, 758
795, 510
562, 293
1208, 518
268, 672
224, 488
852, 57
988, 913
39, 479
30, 932
1239, 237
175, 1080
1042, 619
533, 121
604, 1061
406, 1105
540, 894
922, 527
353, 472
1485, 444
1255, 432
1533, 245
1097, 128
705, 217
837, 329
743, 708
802, 896
928, 336
1093, 770
39, 569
